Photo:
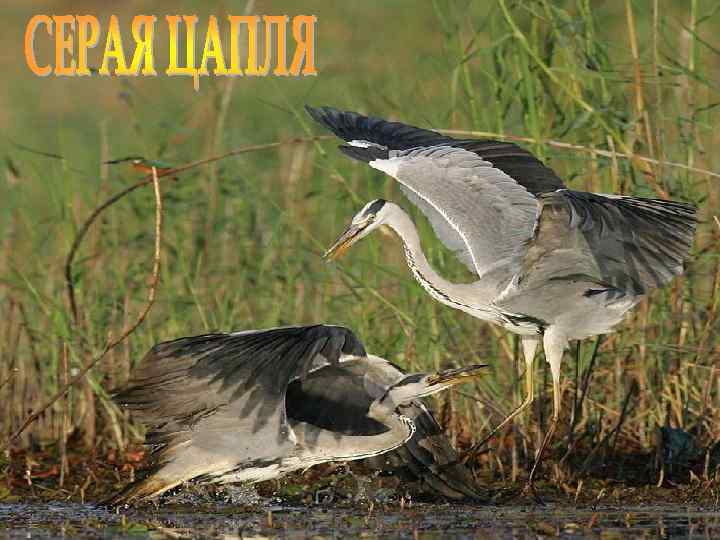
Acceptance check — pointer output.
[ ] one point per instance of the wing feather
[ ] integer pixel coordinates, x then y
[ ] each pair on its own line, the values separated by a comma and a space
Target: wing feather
631, 244
491, 213
443, 229
513, 160
380, 139
220, 379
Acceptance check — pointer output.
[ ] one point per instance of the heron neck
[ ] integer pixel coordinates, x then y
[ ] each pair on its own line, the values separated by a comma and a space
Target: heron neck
455, 295
323, 445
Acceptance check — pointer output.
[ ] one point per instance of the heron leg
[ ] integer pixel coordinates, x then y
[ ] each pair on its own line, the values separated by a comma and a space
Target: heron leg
529, 345
554, 346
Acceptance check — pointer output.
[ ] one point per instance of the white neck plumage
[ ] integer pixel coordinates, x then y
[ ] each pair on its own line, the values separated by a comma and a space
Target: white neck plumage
456, 295
321, 445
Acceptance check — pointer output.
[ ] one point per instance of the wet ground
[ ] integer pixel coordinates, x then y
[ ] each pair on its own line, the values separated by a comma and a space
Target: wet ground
334, 501
454, 521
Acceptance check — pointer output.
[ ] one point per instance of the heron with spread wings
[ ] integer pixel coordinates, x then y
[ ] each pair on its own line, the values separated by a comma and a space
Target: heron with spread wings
552, 264
255, 405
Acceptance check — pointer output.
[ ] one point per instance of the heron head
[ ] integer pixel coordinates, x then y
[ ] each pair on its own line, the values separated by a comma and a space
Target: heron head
363, 223
419, 385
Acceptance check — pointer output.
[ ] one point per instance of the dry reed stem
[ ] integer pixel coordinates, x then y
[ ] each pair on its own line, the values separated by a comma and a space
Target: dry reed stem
637, 73
643, 119
152, 293
580, 148
64, 417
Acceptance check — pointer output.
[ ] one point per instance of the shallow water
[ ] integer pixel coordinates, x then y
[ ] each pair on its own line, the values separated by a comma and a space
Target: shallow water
72, 520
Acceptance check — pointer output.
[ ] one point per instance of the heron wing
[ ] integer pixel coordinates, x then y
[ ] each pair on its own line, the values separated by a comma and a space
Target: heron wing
334, 398
488, 210
445, 232
232, 385
626, 243
373, 138
518, 163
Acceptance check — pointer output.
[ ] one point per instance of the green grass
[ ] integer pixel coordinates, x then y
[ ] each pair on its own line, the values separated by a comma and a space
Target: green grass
242, 237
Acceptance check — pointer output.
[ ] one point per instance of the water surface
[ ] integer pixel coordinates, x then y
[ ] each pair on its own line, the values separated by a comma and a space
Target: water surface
452, 521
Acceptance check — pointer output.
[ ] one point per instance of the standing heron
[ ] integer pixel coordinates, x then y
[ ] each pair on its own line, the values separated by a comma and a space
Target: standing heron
553, 264
255, 405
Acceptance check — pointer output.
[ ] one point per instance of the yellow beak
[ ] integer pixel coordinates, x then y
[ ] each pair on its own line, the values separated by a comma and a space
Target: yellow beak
450, 377
342, 244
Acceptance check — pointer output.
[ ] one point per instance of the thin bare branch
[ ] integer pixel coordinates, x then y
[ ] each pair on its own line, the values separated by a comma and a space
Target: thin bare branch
112, 343
85, 227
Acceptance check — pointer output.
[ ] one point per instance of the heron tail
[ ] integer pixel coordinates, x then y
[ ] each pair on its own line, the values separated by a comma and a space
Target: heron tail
142, 489
166, 473
429, 459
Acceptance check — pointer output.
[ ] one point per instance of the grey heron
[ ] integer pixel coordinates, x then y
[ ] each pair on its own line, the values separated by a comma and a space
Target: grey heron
255, 405
552, 264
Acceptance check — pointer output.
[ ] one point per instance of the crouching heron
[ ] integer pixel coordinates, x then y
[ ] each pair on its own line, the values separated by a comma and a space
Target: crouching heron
255, 405
553, 264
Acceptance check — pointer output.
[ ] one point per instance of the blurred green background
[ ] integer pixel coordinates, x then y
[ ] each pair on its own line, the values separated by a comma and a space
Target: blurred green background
242, 236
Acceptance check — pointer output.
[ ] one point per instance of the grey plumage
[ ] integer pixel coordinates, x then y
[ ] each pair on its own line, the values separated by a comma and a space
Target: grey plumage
384, 136
552, 264
338, 397
632, 244
476, 209
251, 406
513, 223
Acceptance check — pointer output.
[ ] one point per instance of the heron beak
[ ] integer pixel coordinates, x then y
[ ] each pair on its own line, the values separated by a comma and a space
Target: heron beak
451, 377
342, 244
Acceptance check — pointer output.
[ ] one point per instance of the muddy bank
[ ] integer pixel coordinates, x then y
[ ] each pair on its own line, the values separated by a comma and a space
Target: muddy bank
337, 501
